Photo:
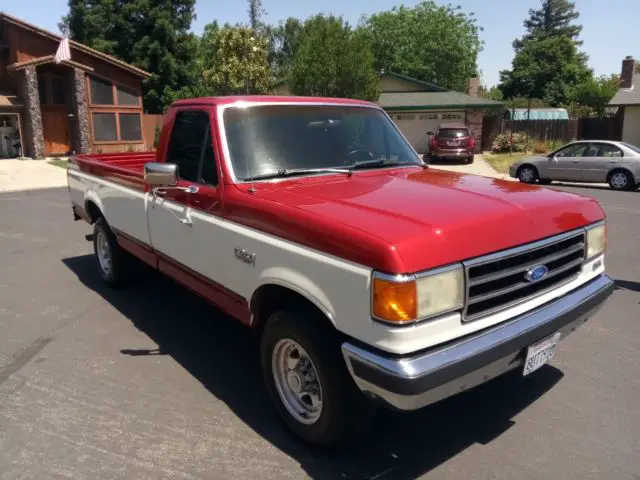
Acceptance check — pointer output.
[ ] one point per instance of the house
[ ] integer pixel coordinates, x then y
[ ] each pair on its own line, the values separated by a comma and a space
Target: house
90, 103
418, 107
627, 99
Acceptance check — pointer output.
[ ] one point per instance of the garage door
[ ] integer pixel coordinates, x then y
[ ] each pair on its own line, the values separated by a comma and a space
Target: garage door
416, 125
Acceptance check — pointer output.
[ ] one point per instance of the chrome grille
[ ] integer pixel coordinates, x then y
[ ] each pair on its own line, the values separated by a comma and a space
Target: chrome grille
496, 282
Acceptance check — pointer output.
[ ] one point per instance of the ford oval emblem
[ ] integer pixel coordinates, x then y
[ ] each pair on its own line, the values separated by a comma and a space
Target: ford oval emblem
536, 273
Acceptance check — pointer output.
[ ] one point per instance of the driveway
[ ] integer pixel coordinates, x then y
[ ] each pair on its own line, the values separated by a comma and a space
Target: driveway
151, 382
478, 167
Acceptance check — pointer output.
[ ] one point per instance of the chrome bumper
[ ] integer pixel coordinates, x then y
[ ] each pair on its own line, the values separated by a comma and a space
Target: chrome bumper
412, 382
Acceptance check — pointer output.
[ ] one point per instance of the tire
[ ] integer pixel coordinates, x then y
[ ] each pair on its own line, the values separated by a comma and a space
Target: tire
528, 174
114, 264
342, 413
621, 180
469, 160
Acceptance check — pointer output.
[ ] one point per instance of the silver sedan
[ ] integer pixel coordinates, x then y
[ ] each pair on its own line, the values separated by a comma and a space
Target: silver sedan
591, 161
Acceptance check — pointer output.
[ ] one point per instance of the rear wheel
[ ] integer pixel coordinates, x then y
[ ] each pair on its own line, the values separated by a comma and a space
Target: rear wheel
527, 174
621, 180
469, 160
114, 264
307, 379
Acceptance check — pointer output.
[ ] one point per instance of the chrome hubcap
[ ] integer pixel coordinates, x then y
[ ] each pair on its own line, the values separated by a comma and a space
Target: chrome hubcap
619, 180
103, 253
527, 175
296, 380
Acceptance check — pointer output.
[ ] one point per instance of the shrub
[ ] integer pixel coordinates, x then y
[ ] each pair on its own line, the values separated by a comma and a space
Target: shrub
541, 147
503, 142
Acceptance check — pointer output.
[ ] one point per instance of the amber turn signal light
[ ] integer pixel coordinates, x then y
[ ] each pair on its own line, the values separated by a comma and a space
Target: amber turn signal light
394, 302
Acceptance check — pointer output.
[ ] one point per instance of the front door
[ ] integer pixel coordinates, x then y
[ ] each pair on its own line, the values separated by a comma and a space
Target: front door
55, 126
566, 164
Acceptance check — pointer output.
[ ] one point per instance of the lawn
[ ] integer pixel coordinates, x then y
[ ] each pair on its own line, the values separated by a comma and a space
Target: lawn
59, 163
502, 161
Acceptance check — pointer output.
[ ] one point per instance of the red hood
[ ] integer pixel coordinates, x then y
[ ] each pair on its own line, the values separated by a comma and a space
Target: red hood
411, 220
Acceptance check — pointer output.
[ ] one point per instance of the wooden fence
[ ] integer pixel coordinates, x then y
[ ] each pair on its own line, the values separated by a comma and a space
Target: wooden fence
149, 123
553, 130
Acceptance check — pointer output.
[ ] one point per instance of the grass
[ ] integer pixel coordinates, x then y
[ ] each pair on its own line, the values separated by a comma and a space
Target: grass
502, 161
59, 163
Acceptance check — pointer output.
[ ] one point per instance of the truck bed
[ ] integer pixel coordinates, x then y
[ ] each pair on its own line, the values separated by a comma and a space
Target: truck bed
116, 165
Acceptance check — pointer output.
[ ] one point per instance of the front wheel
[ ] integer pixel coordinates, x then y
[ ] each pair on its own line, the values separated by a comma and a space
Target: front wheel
527, 174
308, 381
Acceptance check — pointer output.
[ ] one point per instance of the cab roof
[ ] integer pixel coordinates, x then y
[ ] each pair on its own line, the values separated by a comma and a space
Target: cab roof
231, 99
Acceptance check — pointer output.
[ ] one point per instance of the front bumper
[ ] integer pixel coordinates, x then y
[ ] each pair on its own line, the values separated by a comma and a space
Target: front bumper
513, 171
412, 382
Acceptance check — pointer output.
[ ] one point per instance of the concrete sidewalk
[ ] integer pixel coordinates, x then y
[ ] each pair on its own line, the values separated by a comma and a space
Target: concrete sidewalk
18, 175
478, 167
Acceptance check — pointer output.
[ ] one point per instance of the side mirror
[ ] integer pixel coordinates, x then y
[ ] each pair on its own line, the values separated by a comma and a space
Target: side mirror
161, 174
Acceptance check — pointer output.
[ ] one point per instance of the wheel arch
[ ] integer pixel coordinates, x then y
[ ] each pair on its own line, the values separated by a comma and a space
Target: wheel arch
93, 206
276, 291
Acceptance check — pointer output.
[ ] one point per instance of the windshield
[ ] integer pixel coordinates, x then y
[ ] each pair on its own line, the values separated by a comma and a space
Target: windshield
266, 139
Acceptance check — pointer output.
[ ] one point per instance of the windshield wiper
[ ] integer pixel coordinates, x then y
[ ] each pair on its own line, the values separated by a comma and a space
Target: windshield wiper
296, 171
380, 163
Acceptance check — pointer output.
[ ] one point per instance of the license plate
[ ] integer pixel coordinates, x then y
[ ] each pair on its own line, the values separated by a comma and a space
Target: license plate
540, 353
453, 144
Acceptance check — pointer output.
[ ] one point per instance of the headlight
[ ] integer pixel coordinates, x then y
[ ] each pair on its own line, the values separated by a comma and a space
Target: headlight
596, 240
406, 299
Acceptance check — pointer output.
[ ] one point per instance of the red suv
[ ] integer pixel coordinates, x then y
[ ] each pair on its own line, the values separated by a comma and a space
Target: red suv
452, 140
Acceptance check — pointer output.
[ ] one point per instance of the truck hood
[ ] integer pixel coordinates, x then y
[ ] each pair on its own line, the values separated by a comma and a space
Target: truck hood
429, 218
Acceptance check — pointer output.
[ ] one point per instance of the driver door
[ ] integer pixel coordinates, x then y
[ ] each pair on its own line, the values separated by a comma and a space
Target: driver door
567, 162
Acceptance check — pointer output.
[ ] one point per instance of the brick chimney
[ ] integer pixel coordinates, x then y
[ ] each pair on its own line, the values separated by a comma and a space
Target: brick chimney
628, 70
473, 87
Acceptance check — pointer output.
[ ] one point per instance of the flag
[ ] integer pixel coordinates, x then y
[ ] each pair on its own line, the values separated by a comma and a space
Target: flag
64, 52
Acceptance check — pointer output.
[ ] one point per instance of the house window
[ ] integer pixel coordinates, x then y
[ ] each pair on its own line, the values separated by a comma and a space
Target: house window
101, 92
117, 127
429, 116
452, 116
104, 127
405, 116
130, 126
127, 97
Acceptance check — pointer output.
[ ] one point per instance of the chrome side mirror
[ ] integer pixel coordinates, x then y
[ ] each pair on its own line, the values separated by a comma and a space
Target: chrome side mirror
161, 174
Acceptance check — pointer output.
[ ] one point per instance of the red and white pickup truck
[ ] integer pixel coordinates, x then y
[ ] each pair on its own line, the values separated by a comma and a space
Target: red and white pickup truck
370, 277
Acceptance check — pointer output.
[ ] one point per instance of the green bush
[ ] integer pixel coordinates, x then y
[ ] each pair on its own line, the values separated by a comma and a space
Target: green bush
503, 142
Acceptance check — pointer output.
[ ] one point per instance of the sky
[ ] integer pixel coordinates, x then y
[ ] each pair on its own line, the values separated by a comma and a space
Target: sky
609, 26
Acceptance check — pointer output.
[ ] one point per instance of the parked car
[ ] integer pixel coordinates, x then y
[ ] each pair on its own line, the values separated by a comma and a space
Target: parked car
367, 277
452, 141
592, 161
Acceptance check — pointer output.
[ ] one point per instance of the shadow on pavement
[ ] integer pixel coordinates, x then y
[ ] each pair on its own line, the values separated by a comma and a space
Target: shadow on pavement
628, 285
223, 355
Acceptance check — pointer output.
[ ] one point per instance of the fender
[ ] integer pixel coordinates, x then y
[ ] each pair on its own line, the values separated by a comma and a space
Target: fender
90, 195
299, 283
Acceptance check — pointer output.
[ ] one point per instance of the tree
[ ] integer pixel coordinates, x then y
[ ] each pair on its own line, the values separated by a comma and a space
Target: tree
553, 18
238, 63
547, 64
436, 44
284, 45
256, 12
493, 93
152, 35
592, 96
333, 60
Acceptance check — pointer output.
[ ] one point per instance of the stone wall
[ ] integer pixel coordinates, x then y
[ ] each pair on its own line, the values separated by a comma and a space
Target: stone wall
33, 136
80, 133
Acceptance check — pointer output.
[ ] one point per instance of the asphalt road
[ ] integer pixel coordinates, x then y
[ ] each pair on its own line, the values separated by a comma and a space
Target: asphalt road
151, 382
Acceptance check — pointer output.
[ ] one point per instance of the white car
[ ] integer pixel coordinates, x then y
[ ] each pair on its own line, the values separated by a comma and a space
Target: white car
591, 161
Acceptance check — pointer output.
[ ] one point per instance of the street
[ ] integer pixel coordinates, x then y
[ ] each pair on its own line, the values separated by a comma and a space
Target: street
152, 382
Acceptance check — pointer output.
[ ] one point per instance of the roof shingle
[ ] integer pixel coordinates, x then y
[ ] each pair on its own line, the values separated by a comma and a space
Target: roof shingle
628, 96
432, 100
